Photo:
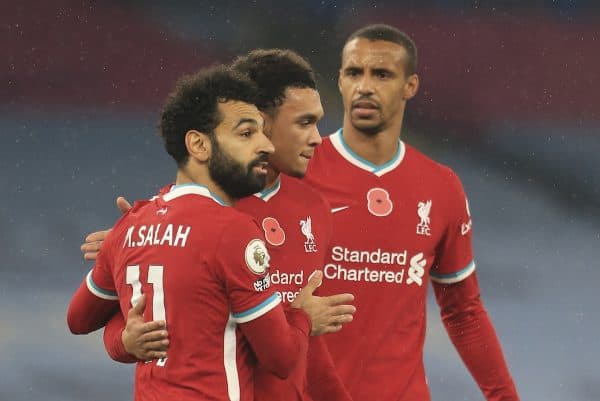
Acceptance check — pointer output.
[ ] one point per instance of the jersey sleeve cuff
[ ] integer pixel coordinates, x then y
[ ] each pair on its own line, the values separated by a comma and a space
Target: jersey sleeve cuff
257, 311
99, 292
455, 277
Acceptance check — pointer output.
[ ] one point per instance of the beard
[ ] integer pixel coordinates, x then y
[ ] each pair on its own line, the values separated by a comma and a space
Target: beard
237, 180
369, 129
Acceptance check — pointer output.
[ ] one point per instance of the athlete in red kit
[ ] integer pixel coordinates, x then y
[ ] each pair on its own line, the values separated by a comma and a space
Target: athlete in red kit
400, 220
202, 264
295, 219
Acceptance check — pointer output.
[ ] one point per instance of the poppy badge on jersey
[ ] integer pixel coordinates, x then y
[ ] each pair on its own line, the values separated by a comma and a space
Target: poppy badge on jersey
274, 233
378, 202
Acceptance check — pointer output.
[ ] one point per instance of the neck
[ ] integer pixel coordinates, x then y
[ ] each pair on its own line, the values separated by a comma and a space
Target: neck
272, 176
186, 177
377, 148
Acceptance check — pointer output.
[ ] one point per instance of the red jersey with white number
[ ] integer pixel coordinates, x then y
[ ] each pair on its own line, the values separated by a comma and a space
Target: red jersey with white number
203, 278
296, 224
395, 226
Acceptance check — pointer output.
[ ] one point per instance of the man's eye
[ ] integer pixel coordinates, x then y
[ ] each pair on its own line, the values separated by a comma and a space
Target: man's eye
246, 133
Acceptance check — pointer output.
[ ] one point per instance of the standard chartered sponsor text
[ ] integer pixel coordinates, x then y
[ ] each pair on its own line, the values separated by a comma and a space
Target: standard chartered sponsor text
343, 254
380, 266
337, 272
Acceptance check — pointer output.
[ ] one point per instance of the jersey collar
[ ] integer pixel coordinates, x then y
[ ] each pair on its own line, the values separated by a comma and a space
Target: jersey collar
267, 193
337, 140
191, 189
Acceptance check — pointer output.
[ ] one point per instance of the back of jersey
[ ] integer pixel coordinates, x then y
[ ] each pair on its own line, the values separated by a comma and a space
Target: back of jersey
202, 267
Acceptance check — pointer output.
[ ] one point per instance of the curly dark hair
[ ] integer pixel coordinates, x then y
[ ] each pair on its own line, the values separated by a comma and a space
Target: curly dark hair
273, 71
390, 34
193, 105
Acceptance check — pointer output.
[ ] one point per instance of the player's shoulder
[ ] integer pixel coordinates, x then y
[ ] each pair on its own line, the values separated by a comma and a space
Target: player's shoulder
326, 145
428, 165
325, 161
301, 189
222, 217
233, 222
131, 215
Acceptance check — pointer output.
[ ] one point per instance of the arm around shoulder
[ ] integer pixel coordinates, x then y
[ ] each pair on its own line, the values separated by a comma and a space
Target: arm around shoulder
279, 339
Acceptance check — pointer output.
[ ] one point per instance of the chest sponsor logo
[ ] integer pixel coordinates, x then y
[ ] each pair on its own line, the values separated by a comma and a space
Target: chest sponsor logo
423, 210
257, 257
416, 269
162, 211
306, 229
274, 233
377, 266
288, 283
378, 202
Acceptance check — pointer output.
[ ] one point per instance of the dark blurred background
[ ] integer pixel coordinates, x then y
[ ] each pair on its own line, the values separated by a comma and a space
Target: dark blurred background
509, 98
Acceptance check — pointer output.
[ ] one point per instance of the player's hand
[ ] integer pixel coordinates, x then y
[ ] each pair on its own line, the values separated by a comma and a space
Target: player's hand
93, 241
145, 341
327, 314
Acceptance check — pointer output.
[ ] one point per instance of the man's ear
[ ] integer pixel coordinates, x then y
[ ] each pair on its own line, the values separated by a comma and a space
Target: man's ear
198, 145
410, 87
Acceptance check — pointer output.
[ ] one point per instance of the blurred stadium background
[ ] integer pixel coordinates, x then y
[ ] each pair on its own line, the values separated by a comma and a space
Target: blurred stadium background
509, 98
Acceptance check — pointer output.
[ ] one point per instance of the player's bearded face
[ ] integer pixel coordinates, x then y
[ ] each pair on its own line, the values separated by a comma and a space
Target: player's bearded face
235, 178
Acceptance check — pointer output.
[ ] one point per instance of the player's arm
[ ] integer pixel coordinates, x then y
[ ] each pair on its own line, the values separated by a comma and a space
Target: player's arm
89, 311
472, 333
135, 340
96, 300
278, 339
457, 292
149, 340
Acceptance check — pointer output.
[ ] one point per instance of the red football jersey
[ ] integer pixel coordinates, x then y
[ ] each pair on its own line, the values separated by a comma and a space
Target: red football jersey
296, 223
395, 226
203, 278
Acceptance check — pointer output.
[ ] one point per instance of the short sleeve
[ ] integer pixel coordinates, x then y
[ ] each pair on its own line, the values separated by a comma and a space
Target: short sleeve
454, 260
243, 260
100, 280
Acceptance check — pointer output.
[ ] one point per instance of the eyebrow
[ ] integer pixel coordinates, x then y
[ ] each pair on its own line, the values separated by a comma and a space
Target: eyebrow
246, 120
308, 116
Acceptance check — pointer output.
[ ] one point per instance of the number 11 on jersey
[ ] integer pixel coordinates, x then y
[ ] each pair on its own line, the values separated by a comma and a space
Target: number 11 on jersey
155, 277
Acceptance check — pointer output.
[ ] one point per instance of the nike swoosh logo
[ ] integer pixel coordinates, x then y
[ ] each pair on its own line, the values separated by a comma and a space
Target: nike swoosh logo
339, 209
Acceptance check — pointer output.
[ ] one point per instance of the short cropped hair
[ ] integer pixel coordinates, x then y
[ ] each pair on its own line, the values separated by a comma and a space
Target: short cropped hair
193, 105
390, 34
273, 71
